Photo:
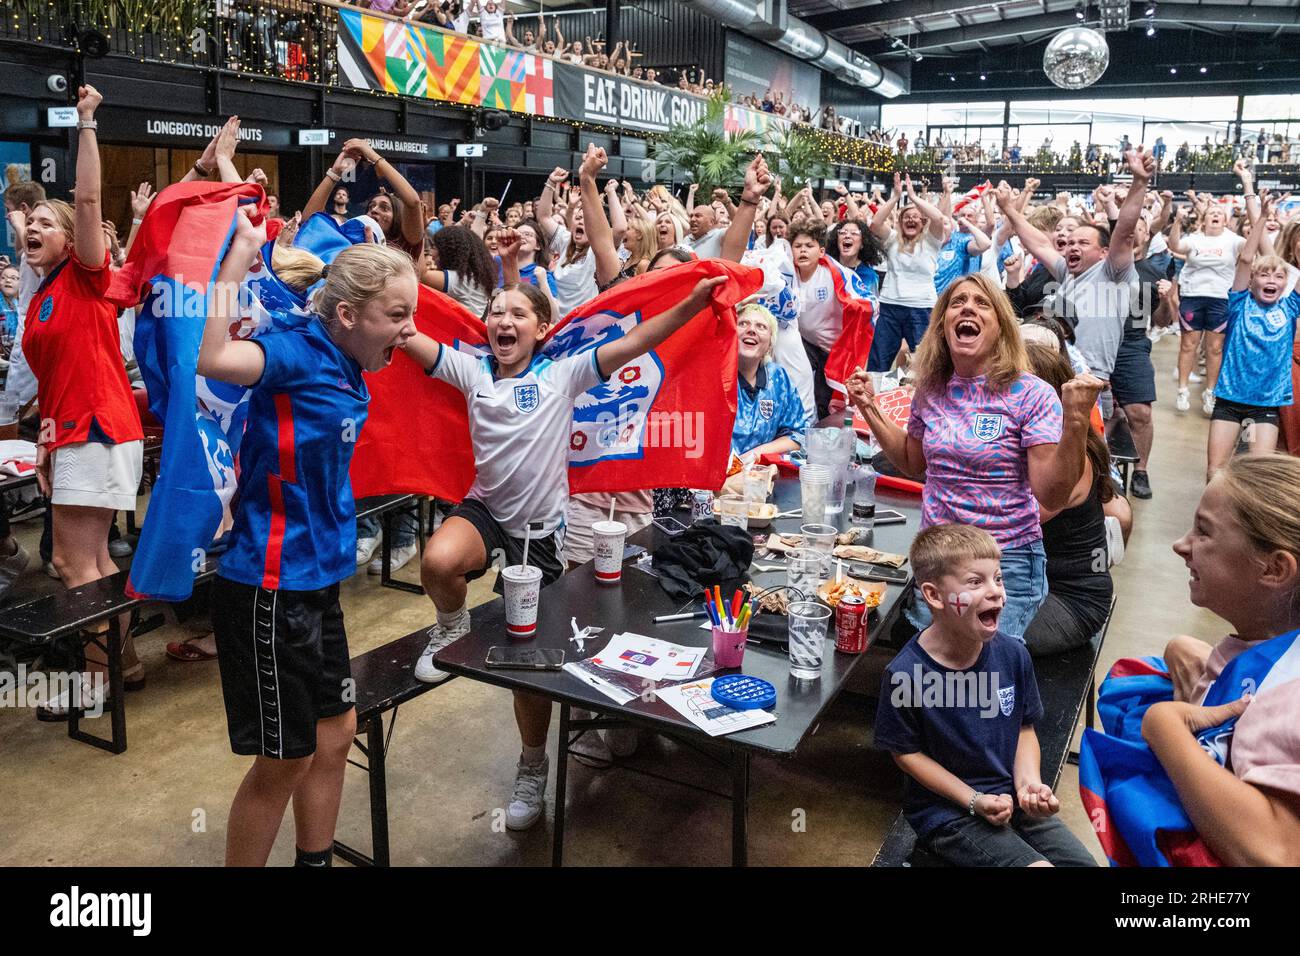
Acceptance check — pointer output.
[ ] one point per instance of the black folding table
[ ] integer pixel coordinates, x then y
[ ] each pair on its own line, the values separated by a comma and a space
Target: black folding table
630, 607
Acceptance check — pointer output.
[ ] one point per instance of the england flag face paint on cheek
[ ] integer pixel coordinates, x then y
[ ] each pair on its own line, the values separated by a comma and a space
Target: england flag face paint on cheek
960, 603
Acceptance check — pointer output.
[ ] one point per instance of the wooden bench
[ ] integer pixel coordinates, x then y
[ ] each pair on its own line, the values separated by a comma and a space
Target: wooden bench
1066, 685
385, 679
63, 615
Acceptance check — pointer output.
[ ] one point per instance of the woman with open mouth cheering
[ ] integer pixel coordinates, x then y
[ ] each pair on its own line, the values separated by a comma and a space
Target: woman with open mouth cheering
91, 446
991, 441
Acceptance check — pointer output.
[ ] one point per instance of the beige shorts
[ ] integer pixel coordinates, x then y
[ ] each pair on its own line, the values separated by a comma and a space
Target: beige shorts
95, 475
580, 516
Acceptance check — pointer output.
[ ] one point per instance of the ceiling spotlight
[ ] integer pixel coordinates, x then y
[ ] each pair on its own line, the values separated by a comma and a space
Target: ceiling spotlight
983, 77
1080, 12
919, 58
951, 77
1150, 10
1151, 30
1204, 69
1173, 69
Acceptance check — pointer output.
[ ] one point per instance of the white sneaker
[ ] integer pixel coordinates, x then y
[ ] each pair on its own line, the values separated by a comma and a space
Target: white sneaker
529, 797
1207, 401
1183, 403
89, 696
366, 548
401, 557
590, 744
439, 637
120, 547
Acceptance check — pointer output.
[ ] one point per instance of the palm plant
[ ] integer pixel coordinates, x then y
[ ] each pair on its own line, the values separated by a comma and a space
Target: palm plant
713, 156
797, 158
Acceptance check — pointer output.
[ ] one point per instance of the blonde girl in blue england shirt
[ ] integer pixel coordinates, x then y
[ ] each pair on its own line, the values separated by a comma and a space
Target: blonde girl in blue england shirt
1255, 377
522, 473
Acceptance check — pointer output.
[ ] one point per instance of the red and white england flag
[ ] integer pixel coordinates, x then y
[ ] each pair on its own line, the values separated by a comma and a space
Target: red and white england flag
664, 420
853, 347
539, 86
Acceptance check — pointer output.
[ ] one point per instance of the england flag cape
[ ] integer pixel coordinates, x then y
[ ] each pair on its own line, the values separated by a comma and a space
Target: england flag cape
1131, 801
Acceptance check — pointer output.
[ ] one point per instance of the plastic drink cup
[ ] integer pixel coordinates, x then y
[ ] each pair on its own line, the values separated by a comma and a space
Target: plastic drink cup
819, 537
8, 417
806, 569
734, 510
607, 539
756, 482
522, 584
814, 488
808, 623
729, 647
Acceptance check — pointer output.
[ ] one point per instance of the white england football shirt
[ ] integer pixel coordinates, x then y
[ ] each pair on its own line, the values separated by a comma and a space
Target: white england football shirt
519, 428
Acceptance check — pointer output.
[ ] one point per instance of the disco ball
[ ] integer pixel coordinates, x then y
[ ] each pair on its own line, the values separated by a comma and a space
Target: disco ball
1076, 57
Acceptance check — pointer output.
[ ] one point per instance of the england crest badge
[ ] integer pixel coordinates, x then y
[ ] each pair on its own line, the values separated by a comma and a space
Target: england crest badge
526, 397
765, 407
988, 427
1007, 699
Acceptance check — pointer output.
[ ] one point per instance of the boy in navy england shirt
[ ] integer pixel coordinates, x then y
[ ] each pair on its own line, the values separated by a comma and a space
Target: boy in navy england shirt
957, 711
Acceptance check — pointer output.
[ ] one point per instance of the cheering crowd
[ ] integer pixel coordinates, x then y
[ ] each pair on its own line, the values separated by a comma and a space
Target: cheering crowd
1021, 327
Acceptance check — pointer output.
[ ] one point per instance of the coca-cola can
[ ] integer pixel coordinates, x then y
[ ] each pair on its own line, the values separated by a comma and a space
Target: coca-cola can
851, 625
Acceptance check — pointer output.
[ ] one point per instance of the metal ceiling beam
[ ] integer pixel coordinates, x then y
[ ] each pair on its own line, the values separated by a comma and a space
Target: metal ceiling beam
1167, 14
890, 12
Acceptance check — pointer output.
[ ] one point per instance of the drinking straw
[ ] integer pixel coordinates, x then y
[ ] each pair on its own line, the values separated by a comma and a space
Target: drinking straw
528, 536
612, 502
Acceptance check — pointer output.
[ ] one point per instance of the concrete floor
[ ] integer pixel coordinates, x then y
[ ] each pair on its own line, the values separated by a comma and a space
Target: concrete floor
451, 762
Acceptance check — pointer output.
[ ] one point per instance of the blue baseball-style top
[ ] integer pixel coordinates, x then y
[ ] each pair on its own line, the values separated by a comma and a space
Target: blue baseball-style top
295, 528
767, 410
953, 261
1257, 350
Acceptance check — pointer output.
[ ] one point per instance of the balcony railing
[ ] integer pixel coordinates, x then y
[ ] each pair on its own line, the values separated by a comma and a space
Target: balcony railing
341, 45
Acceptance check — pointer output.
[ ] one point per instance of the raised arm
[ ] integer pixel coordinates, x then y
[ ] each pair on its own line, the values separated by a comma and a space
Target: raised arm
412, 226
1248, 190
206, 164
904, 451
945, 196
227, 143
648, 334
1246, 257
89, 245
141, 198
600, 235
757, 180
938, 221
1036, 243
617, 214
690, 197
342, 167
237, 361
880, 220
1054, 470
546, 204
1120, 253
